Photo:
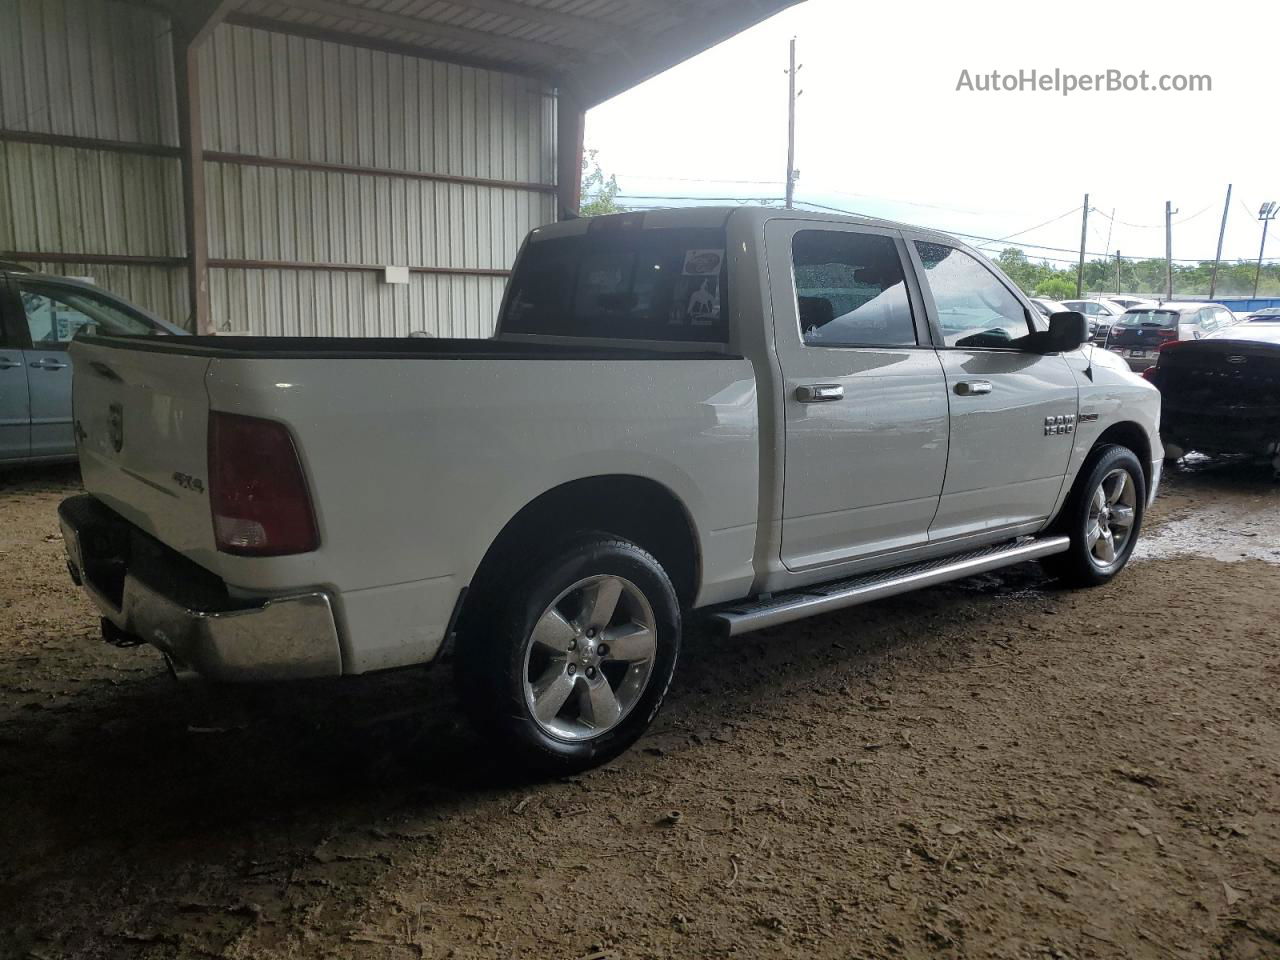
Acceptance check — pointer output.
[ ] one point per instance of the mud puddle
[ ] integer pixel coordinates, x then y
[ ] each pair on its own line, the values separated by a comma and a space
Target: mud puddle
1218, 508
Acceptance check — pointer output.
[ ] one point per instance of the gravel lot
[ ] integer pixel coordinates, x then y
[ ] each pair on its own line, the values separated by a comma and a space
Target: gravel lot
990, 769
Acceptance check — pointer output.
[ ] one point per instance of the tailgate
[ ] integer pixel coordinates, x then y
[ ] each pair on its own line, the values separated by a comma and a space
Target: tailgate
141, 419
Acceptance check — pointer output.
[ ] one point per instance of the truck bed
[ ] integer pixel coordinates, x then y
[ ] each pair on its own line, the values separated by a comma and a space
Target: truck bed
414, 469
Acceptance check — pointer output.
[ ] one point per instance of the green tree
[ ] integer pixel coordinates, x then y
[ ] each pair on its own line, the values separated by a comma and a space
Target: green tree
1057, 287
599, 193
1137, 276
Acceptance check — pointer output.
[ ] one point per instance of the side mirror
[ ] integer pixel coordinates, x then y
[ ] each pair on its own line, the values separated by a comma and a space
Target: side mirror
1067, 331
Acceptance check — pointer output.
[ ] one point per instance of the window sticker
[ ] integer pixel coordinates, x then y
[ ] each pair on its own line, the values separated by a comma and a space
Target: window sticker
696, 302
703, 263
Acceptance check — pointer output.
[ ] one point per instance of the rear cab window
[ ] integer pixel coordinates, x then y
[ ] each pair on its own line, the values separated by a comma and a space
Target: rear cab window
659, 284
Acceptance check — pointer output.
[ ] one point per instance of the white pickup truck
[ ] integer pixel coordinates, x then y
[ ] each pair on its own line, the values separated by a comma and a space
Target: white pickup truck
746, 416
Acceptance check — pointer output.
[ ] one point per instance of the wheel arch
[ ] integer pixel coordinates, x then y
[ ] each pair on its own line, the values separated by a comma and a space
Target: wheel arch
635, 508
1128, 433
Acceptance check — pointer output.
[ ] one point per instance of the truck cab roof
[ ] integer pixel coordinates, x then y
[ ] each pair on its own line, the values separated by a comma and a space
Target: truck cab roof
719, 216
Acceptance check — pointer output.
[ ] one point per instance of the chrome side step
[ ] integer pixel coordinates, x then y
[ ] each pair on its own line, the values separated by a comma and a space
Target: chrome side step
783, 608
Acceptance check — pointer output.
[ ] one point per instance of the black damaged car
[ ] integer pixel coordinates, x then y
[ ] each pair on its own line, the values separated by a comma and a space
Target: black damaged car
1221, 394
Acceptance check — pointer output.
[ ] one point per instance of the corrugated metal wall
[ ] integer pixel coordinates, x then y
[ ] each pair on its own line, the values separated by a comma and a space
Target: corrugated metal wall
274, 107
305, 101
87, 68
103, 70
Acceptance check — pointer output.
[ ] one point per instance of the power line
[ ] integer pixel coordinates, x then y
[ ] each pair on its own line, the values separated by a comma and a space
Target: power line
640, 196
1074, 209
760, 183
983, 241
1149, 226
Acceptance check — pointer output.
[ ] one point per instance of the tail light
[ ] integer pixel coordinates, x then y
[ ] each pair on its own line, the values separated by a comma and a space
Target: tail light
1168, 336
1150, 373
261, 505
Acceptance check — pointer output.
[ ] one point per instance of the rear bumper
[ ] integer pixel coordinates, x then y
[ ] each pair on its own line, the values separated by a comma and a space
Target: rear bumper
1136, 364
160, 598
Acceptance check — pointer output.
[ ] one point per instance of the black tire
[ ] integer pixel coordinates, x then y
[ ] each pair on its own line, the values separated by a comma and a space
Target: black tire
1078, 566
492, 660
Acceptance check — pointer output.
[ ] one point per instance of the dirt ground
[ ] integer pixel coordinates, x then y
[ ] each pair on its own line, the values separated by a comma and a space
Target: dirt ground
990, 769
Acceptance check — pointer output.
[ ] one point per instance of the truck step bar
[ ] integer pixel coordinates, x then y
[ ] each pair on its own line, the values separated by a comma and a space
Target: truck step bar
782, 608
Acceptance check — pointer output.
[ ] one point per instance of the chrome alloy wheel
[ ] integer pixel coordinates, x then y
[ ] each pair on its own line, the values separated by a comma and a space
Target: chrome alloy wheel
589, 656
1112, 511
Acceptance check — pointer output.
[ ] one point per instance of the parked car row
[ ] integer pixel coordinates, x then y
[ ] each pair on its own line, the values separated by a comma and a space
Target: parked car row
1139, 333
1218, 371
1100, 312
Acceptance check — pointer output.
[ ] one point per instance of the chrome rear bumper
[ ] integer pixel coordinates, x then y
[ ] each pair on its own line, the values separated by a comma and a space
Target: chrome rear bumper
272, 638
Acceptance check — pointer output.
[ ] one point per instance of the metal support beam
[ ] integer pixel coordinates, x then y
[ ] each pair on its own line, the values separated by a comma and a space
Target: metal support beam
186, 72
251, 160
571, 122
194, 20
86, 143
192, 24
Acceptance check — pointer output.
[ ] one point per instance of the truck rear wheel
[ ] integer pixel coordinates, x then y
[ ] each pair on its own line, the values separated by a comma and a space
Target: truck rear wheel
1103, 517
569, 665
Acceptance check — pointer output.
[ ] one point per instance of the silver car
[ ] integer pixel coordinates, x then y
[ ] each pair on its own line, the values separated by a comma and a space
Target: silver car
39, 316
1101, 314
1142, 332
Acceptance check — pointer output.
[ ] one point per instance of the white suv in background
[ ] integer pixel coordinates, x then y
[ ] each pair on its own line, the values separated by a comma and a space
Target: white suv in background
1101, 314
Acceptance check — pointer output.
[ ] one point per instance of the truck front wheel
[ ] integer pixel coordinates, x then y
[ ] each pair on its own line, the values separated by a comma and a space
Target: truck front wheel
568, 665
1102, 516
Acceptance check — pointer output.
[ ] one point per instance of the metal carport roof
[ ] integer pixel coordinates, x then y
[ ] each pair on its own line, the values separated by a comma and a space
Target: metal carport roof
589, 49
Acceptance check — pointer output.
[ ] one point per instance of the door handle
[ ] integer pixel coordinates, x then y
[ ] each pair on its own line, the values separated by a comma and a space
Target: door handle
7, 364
972, 388
819, 392
48, 364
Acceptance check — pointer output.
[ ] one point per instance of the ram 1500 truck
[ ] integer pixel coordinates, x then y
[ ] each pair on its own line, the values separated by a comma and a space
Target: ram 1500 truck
746, 416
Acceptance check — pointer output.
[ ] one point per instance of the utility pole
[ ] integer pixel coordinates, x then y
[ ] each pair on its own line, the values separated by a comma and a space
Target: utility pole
1266, 215
791, 129
1168, 249
1117, 271
1084, 230
1222, 232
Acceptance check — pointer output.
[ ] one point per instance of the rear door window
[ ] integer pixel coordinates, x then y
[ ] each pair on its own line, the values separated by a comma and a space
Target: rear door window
622, 284
56, 314
851, 290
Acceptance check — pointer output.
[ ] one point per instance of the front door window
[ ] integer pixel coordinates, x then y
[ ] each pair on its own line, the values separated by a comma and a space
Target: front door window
975, 309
